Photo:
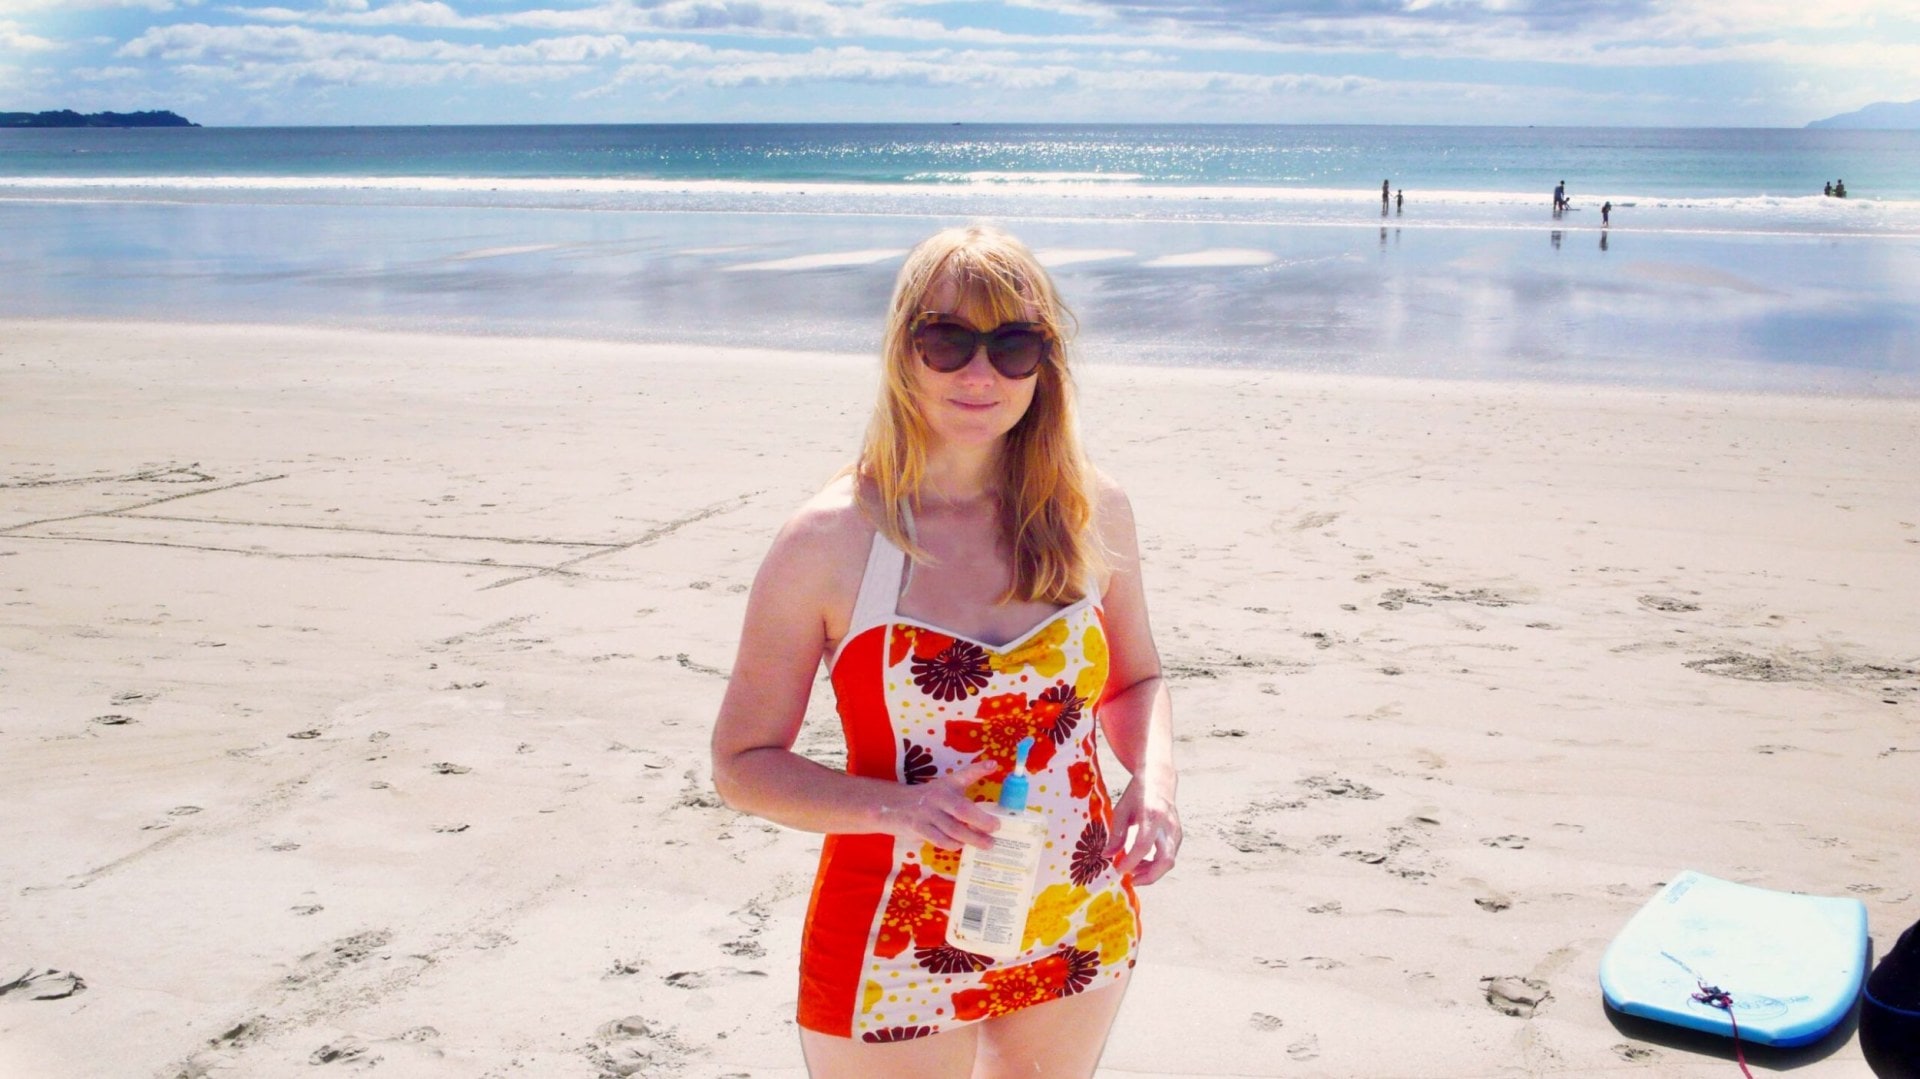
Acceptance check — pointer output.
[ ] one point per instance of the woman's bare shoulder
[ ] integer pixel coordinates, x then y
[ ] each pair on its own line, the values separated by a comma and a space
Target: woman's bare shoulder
828, 528
1110, 503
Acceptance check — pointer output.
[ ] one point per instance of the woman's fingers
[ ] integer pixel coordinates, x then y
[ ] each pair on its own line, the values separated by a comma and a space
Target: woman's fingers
972, 822
1144, 841
942, 813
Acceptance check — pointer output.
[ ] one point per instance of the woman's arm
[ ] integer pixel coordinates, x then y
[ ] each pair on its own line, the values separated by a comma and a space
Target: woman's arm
755, 768
1137, 714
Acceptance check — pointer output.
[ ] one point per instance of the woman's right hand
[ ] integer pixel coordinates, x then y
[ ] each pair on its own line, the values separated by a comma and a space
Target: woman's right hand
940, 812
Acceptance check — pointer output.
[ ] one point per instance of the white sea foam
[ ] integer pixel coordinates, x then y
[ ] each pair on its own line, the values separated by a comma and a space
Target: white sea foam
498, 252
825, 260
1068, 256
1070, 195
1216, 256
1028, 178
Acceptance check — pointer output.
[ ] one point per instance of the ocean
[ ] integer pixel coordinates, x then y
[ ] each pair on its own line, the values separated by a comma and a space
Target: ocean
1721, 264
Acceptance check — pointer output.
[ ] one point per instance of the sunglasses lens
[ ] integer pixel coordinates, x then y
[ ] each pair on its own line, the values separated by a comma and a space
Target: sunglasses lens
945, 346
1017, 353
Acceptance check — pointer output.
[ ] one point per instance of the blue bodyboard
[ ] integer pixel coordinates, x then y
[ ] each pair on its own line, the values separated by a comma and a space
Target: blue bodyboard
1791, 964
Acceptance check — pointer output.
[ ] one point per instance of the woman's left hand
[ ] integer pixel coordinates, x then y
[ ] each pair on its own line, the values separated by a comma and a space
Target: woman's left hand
1145, 834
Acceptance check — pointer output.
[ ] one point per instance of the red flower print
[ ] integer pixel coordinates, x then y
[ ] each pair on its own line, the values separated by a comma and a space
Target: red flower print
916, 763
947, 959
896, 1034
1009, 990
956, 673
1082, 966
1081, 776
1089, 854
924, 643
1001, 721
916, 913
1057, 711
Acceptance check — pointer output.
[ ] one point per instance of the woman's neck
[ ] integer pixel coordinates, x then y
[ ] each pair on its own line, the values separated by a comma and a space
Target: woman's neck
957, 478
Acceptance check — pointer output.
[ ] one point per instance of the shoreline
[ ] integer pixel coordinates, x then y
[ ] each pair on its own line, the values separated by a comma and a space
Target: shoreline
1224, 374
1569, 304
362, 686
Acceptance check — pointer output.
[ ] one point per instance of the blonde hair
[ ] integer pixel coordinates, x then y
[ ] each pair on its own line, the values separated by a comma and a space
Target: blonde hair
1045, 485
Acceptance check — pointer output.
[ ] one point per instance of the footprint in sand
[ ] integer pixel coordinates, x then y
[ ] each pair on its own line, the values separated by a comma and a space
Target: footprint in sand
1505, 842
323, 966
241, 1034
114, 719
46, 984
1263, 1021
1491, 899
1307, 1048
1635, 1053
636, 1045
702, 979
1668, 603
1518, 997
348, 1048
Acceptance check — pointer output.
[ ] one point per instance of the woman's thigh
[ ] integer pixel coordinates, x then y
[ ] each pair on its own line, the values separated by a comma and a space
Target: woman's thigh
940, 1056
1061, 1039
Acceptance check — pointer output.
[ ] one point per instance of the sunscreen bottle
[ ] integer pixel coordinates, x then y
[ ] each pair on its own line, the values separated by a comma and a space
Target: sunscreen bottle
994, 891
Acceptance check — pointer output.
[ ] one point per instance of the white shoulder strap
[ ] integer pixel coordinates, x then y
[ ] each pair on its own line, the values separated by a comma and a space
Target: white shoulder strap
879, 586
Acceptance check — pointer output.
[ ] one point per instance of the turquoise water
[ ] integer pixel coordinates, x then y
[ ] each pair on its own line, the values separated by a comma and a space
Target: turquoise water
1722, 264
1647, 163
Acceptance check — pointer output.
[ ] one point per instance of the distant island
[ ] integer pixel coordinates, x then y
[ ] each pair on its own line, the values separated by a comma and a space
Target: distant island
1883, 115
70, 118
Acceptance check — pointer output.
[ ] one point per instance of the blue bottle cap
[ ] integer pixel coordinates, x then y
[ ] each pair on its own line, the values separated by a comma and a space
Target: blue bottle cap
1013, 792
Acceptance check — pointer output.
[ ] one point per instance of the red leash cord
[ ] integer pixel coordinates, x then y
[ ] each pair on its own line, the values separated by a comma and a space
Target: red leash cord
1719, 998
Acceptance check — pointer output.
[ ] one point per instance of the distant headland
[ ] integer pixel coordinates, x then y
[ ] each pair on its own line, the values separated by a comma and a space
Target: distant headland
1883, 115
70, 118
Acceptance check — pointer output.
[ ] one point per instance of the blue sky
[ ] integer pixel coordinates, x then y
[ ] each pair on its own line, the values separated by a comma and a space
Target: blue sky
1619, 62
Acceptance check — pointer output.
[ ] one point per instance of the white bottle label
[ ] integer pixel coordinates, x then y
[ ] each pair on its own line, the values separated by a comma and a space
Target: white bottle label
993, 893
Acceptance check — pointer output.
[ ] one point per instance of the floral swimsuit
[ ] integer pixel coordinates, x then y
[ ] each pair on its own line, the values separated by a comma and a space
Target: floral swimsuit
917, 702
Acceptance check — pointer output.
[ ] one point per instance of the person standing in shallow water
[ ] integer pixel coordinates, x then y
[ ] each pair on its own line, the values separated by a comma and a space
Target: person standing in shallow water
970, 580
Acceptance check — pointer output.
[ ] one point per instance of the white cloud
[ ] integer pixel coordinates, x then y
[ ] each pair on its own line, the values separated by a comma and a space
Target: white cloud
14, 38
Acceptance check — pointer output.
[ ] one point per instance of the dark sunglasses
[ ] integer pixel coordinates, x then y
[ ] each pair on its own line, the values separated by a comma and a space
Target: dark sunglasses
1015, 349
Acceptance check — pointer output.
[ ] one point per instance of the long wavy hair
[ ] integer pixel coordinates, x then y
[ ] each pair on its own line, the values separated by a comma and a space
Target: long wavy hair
1045, 486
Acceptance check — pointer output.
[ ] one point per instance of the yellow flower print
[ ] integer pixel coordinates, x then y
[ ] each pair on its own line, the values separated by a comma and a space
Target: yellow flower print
940, 859
1109, 928
1042, 652
1093, 677
869, 996
1052, 910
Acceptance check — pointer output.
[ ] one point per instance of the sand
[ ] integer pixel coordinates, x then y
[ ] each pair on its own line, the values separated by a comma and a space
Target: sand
357, 687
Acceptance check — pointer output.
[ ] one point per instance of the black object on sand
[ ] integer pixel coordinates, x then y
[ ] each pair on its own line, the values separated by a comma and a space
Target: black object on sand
1890, 1011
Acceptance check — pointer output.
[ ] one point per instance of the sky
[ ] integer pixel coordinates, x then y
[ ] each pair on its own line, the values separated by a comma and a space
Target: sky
1713, 63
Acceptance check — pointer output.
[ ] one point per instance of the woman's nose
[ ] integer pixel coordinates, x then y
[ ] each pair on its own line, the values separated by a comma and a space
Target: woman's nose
978, 365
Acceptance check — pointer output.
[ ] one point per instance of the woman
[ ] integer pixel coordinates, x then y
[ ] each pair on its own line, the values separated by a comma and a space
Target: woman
969, 581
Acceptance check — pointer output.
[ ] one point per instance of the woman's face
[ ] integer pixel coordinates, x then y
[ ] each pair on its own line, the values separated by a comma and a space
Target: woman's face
975, 405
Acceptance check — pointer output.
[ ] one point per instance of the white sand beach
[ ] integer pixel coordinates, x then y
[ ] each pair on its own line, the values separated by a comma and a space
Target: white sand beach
356, 690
